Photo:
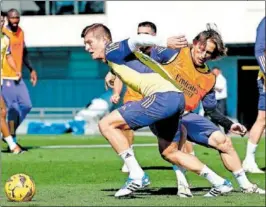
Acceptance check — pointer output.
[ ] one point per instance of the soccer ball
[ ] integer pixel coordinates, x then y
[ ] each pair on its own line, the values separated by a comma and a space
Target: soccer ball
19, 188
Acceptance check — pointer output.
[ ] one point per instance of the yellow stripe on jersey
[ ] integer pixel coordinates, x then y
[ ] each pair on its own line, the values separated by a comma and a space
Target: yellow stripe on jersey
152, 64
144, 83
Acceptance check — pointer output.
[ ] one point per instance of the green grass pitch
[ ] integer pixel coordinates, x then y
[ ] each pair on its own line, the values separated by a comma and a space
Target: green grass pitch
90, 176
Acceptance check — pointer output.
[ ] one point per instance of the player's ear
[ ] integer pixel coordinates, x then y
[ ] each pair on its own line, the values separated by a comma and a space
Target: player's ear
106, 40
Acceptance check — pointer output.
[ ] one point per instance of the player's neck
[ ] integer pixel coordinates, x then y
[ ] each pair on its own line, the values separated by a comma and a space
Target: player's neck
12, 29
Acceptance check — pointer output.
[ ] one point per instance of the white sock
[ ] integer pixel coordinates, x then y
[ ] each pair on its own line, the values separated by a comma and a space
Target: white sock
211, 176
250, 153
10, 142
131, 147
180, 175
135, 171
242, 179
125, 166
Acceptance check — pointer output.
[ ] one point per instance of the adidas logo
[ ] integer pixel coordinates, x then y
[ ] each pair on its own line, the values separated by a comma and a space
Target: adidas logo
128, 155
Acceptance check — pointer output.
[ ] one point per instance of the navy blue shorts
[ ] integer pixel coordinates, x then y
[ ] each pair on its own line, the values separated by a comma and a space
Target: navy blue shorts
160, 111
262, 95
198, 128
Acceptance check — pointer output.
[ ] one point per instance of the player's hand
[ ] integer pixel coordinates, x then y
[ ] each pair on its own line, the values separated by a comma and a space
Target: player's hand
177, 42
238, 129
33, 77
109, 80
18, 74
115, 98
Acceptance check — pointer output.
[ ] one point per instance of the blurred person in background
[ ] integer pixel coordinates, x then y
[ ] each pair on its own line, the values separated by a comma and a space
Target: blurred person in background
220, 89
257, 129
15, 92
6, 53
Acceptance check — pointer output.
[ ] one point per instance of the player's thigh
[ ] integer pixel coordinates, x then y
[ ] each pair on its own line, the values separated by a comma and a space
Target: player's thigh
114, 120
199, 129
23, 94
9, 93
168, 132
218, 139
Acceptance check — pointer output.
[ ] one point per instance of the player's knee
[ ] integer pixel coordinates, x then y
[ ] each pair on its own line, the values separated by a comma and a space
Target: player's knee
104, 126
226, 146
167, 151
166, 156
221, 142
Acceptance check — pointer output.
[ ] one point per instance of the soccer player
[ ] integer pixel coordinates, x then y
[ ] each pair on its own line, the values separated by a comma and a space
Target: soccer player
6, 53
159, 109
15, 92
257, 129
161, 55
190, 73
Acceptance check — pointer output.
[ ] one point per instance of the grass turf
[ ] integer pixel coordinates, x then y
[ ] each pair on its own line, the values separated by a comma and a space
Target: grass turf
86, 177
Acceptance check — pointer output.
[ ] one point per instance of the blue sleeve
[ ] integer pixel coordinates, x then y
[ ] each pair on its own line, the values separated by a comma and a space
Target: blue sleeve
209, 102
260, 45
165, 54
117, 52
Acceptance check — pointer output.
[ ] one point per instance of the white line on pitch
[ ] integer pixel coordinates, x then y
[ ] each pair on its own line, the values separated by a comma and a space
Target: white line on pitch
89, 146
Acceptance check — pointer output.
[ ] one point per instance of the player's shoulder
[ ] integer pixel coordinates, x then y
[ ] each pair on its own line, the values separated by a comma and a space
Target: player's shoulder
117, 51
112, 47
159, 49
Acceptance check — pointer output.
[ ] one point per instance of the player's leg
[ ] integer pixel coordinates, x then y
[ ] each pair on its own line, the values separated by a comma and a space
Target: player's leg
111, 127
9, 94
188, 148
232, 161
136, 115
255, 134
204, 132
129, 134
5, 131
129, 96
130, 116
24, 101
183, 189
169, 151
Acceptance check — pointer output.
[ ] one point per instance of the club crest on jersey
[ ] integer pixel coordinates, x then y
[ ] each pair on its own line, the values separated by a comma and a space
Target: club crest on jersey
8, 83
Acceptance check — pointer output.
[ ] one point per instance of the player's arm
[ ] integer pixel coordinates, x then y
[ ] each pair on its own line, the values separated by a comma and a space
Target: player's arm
26, 59
145, 40
109, 80
209, 103
117, 52
164, 55
260, 45
28, 64
117, 90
